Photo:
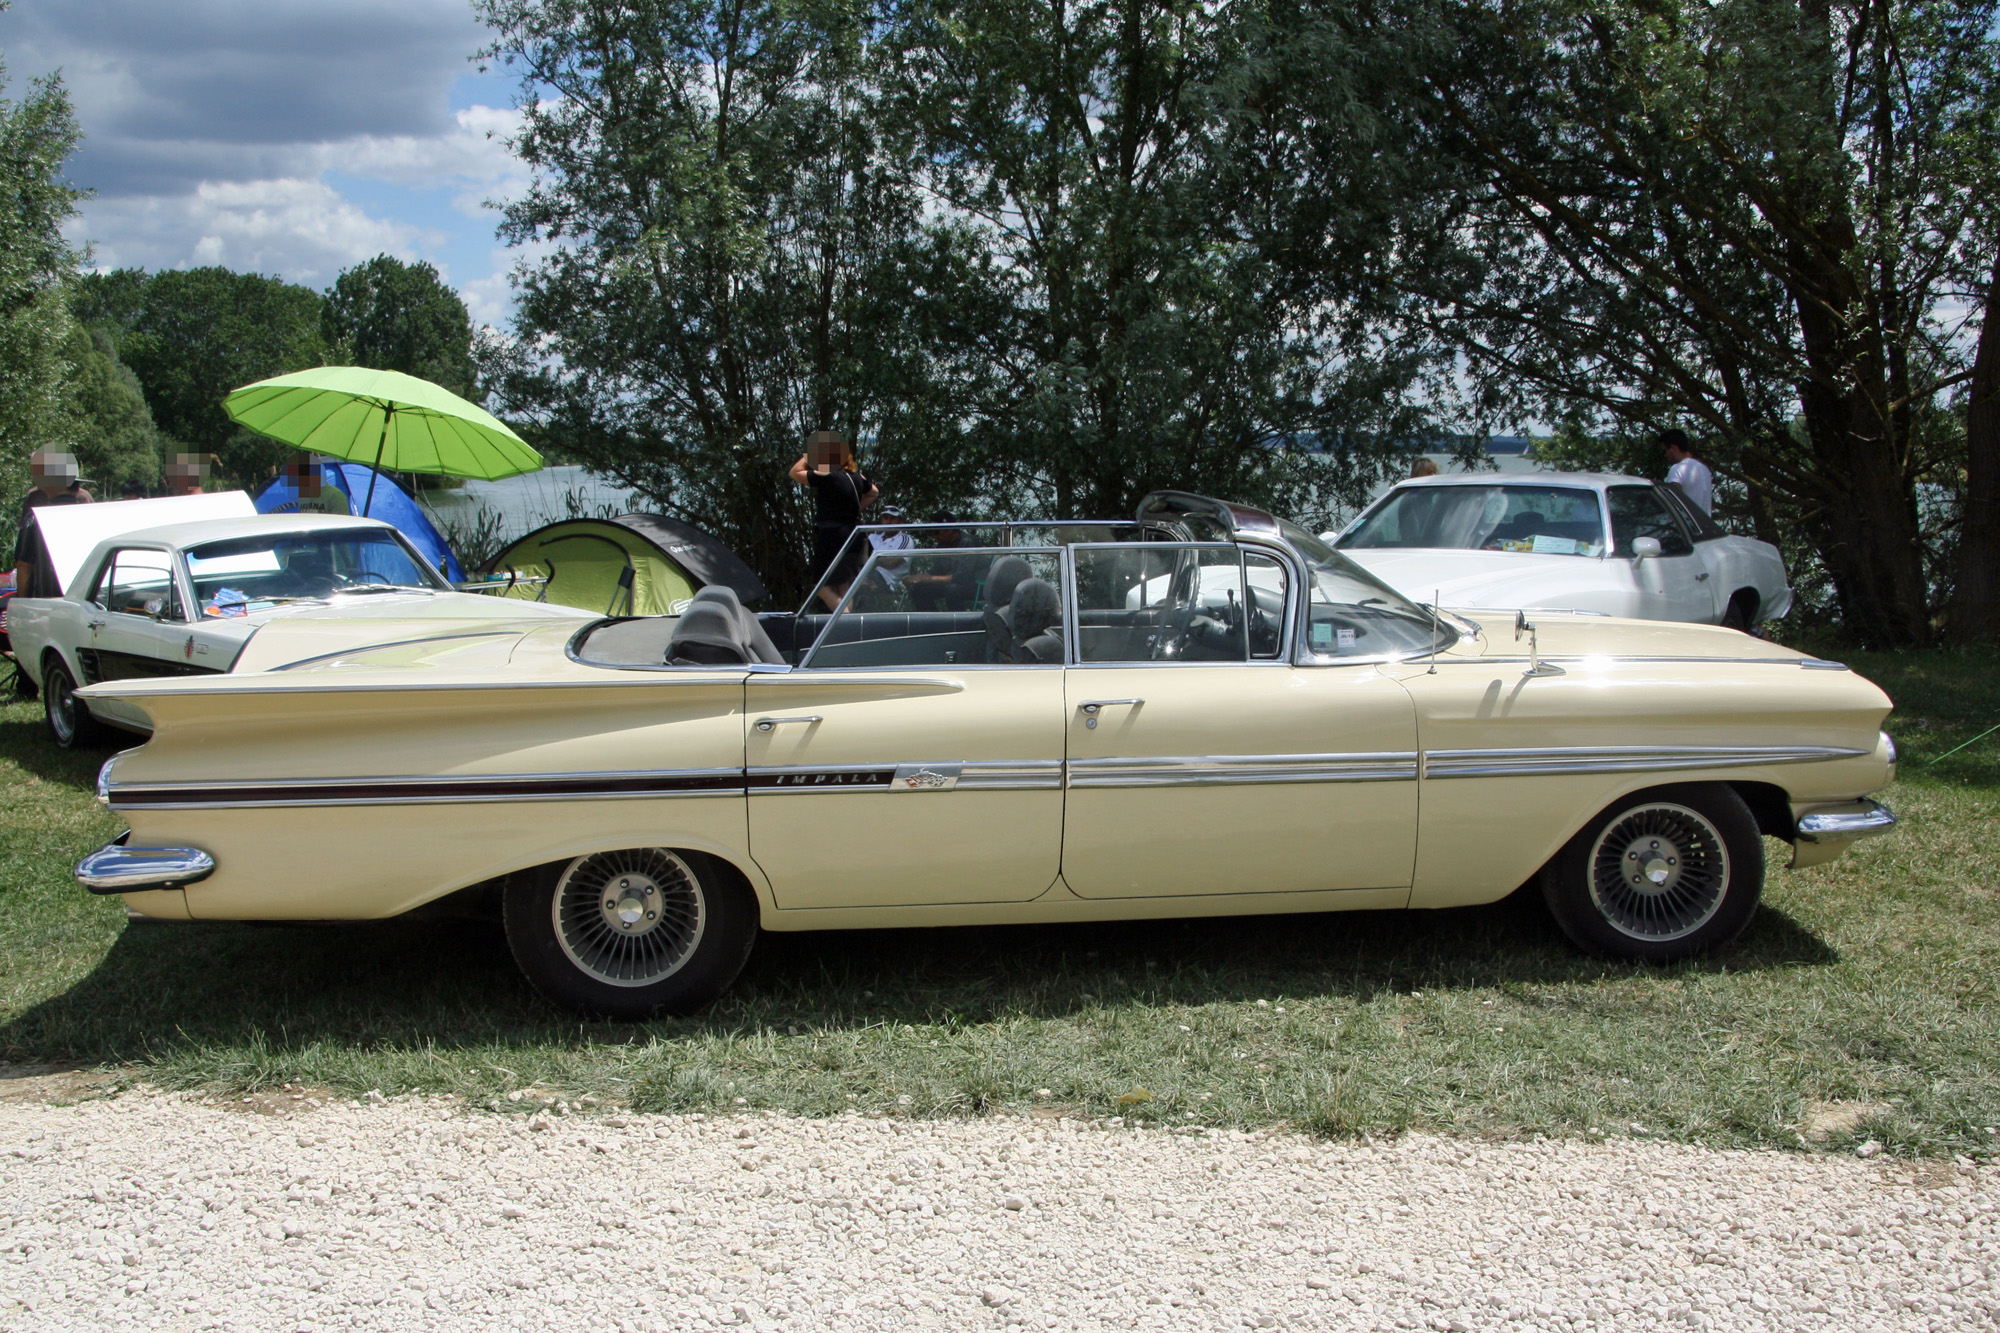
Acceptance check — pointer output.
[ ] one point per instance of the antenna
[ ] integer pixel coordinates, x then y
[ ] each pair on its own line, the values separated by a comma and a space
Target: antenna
1435, 594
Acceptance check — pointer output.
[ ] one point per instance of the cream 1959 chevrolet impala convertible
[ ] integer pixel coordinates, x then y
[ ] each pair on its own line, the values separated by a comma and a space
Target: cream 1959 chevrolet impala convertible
1205, 712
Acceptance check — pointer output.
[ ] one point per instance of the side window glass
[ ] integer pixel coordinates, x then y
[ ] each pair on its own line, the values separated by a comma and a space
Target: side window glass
139, 583
1264, 585
948, 608
1166, 603
1638, 511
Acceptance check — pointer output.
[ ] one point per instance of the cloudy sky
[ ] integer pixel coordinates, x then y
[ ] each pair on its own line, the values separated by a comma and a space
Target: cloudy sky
290, 137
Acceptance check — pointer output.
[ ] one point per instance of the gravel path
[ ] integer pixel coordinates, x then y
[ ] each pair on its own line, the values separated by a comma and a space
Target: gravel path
154, 1211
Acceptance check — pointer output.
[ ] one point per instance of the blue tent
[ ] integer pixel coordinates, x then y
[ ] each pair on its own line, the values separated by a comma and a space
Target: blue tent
390, 504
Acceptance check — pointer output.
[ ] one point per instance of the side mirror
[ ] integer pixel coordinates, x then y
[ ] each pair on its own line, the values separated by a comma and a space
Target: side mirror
1644, 548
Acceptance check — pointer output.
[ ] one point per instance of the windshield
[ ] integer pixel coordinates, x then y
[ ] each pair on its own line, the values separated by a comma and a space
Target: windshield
1351, 613
1538, 520
245, 574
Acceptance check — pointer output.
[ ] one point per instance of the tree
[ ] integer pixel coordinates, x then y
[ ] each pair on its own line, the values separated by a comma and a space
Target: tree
198, 334
1115, 161
1747, 219
734, 260
115, 438
38, 134
395, 316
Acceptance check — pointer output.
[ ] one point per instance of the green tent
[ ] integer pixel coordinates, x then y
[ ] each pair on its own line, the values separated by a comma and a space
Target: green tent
632, 565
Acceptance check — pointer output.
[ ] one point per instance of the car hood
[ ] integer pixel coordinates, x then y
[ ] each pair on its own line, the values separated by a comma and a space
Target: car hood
1491, 578
393, 629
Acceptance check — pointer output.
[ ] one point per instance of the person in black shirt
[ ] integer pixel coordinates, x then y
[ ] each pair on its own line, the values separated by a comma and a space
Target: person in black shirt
55, 484
840, 493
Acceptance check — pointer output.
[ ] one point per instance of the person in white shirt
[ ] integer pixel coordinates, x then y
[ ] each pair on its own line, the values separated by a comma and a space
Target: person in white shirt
1689, 473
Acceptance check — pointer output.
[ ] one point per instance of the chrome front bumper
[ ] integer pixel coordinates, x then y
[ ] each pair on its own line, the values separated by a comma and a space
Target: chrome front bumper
1844, 823
117, 868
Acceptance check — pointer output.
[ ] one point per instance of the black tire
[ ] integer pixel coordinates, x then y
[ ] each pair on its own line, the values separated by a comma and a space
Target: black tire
671, 941
1741, 613
1695, 889
68, 717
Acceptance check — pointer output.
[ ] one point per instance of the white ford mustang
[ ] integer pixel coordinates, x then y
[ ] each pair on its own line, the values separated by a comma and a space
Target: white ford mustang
184, 597
1573, 541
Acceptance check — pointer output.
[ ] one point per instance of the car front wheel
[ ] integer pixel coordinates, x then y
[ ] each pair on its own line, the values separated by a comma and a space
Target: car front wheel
69, 719
632, 933
1661, 875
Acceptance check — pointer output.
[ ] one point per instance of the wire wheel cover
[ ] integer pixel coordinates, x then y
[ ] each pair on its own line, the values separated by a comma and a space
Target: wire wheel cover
629, 918
1659, 872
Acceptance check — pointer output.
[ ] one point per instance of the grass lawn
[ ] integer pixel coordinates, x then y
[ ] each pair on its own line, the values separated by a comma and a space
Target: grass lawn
1872, 984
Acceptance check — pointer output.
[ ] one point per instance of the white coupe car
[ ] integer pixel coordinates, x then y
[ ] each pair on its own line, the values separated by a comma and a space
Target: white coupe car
1574, 541
183, 598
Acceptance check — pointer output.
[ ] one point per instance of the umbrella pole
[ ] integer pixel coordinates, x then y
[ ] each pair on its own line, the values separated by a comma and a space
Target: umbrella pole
380, 444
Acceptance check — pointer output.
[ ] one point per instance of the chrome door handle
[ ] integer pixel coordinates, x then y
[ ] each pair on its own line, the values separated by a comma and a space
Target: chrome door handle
1093, 705
1701, 577
771, 723
95, 624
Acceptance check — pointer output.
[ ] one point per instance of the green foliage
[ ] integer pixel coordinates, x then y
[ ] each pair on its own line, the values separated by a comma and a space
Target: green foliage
390, 315
116, 440
192, 336
1141, 308
38, 134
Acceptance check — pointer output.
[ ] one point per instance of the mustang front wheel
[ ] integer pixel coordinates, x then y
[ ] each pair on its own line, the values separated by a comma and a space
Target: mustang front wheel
633, 933
1660, 875
68, 717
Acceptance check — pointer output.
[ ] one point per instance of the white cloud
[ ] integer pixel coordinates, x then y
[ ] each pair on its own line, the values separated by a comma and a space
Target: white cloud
301, 229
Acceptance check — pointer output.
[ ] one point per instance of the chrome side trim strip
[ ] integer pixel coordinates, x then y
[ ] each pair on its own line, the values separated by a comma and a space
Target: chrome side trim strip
471, 789
1629, 759
1229, 769
1861, 819
117, 868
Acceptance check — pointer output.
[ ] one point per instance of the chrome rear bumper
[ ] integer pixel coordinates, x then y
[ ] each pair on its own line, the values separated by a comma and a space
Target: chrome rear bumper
1844, 823
117, 868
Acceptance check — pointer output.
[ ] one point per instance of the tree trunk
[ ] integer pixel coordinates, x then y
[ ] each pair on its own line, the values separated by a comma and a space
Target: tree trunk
1975, 605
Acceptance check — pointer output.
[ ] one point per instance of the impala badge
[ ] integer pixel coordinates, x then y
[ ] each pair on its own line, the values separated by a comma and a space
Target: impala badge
925, 777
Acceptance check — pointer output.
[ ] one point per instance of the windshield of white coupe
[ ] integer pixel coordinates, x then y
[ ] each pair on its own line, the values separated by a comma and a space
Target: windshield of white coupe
245, 574
1537, 520
1351, 613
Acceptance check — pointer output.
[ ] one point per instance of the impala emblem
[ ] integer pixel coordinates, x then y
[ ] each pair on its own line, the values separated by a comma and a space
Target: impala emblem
925, 777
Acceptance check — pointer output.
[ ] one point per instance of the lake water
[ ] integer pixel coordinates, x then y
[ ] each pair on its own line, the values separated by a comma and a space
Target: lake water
532, 499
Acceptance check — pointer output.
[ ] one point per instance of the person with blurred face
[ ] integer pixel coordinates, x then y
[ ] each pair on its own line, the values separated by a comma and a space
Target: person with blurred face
56, 483
1688, 472
186, 474
840, 493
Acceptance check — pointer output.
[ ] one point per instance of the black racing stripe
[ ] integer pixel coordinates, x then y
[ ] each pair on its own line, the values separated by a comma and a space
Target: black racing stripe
323, 793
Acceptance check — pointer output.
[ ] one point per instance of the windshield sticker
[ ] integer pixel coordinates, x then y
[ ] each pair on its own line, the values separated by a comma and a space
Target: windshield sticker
1345, 639
245, 562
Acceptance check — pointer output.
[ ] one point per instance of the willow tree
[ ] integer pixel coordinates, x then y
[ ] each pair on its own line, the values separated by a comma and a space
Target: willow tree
1759, 219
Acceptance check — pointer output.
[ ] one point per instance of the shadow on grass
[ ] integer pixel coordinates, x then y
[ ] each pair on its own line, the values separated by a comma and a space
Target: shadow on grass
28, 745
451, 985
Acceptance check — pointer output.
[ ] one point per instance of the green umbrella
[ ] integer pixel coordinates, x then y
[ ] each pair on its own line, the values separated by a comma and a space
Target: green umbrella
383, 417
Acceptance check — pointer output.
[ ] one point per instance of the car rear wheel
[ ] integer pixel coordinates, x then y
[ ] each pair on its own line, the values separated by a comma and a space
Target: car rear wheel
1661, 875
69, 719
632, 933
1741, 613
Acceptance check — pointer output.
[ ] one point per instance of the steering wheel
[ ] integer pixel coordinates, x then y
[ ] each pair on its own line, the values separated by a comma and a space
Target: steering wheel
1266, 628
